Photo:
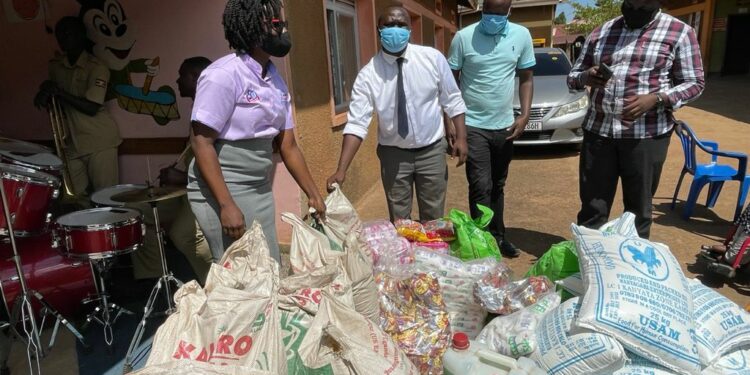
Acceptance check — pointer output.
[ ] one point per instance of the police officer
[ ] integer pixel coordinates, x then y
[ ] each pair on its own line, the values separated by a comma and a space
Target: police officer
79, 81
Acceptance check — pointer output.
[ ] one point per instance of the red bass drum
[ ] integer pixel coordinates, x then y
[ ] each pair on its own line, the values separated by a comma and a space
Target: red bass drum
63, 282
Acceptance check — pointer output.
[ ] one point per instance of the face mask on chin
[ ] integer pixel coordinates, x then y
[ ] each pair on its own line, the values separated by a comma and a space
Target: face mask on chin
277, 45
636, 18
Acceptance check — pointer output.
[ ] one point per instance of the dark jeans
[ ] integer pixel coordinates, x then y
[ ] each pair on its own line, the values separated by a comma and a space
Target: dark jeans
486, 170
637, 162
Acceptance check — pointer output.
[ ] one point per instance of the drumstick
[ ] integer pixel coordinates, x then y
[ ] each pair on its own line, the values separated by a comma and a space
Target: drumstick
148, 168
147, 82
182, 155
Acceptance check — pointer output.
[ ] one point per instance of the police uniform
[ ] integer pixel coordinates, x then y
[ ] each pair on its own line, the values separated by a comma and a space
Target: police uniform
91, 146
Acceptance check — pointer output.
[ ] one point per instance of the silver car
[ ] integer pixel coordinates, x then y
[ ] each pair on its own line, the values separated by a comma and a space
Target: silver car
556, 113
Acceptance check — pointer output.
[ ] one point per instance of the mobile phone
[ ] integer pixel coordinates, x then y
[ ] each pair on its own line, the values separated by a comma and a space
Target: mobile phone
604, 71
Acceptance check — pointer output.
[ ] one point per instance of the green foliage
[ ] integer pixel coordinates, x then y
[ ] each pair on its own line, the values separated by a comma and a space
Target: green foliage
561, 19
588, 18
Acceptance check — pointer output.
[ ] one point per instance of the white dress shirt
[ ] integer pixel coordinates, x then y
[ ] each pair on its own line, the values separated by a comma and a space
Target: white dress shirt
429, 87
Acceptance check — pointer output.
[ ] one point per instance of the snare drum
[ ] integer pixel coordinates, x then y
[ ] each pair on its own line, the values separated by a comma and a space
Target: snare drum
63, 282
29, 194
46, 162
99, 233
103, 197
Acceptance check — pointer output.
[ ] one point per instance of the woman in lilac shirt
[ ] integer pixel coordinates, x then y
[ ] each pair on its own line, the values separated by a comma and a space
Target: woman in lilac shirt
241, 105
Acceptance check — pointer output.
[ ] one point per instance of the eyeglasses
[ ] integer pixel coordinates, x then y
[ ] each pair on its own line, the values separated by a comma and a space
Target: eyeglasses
278, 24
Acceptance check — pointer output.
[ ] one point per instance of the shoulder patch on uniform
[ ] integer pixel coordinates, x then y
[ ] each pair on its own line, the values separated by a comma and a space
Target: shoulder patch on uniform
100, 83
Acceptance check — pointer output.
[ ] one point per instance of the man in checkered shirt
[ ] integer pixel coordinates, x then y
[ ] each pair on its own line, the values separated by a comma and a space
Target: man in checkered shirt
656, 68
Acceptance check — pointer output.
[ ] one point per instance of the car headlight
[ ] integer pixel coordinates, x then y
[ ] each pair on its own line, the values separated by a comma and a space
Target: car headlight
573, 107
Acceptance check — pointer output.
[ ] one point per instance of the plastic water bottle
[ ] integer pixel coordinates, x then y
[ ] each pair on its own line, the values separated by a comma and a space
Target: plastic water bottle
471, 357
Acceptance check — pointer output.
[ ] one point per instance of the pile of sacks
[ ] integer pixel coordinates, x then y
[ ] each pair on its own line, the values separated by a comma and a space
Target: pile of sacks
635, 312
323, 319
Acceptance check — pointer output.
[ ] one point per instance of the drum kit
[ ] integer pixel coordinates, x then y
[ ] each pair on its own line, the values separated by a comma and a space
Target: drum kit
43, 262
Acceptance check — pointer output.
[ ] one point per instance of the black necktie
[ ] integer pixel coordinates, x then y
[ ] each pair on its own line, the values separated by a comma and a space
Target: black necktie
403, 120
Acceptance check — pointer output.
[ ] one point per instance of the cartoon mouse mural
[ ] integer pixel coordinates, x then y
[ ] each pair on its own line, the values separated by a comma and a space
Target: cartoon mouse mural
113, 38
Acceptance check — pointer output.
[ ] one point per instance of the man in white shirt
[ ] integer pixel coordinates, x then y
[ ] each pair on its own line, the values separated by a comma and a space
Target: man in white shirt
408, 86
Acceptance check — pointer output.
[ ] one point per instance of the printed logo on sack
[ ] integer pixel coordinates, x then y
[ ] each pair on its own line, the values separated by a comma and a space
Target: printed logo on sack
645, 258
226, 348
735, 361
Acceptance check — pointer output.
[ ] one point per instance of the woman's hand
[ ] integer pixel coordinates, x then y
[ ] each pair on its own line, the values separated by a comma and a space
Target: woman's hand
232, 221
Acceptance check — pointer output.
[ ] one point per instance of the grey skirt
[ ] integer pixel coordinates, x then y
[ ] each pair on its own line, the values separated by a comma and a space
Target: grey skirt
246, 166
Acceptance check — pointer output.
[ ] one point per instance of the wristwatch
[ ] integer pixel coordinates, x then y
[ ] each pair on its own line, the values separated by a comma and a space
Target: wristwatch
659, 100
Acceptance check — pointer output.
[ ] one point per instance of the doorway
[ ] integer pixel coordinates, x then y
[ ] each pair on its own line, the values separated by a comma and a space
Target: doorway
737, 55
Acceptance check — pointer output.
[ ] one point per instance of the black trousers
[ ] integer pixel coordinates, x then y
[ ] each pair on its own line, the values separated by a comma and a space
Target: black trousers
486, 170
637, 162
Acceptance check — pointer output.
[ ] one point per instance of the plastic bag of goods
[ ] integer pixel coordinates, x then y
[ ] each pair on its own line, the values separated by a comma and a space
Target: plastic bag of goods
636, 292
351, 343
509, 297
721, 326
412, 311
411, 230
472, 240
299, 299
226, 327
375, 231
559, 262
457, 279
734, 363
562, 351
638, 365
514, 335
440, 229
439, 247
392, 251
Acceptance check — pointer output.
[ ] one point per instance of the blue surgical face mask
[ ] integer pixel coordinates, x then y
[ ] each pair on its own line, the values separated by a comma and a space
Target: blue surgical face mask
394, 39
493, 24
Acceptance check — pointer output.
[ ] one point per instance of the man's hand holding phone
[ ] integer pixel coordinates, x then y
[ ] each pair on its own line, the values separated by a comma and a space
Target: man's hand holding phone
597, 76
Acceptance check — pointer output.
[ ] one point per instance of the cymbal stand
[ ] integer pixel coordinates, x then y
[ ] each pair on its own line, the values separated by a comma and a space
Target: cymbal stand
161, 285
22, 312
105, 309
22, 305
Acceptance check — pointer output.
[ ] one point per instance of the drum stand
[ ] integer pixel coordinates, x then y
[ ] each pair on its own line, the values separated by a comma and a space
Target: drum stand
105, 309
22, 311
162, 284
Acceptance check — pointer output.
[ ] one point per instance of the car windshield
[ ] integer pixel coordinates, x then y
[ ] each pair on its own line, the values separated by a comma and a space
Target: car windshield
552, 63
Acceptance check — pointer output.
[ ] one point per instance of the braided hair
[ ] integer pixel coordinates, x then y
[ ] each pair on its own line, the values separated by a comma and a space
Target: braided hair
246, 22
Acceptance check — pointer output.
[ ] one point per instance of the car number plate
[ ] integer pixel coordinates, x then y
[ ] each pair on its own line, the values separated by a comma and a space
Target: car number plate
534, 126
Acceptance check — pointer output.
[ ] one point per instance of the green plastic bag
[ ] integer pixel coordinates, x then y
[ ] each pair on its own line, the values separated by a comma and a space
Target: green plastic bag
559, 262
472, 240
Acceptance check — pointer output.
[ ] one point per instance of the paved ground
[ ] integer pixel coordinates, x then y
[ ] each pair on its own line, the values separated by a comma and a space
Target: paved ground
542, 201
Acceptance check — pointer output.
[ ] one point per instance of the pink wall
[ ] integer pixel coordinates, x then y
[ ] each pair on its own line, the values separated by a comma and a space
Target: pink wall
170, 29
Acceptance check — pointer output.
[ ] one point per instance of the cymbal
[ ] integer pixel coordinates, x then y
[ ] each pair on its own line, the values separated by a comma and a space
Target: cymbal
21, 147
149, 194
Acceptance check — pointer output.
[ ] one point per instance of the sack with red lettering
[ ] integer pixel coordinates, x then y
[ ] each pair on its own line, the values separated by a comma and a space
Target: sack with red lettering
359, 268
226, 327
310, 249
351, 343
245, 263
192, 368
341, 217
299, 298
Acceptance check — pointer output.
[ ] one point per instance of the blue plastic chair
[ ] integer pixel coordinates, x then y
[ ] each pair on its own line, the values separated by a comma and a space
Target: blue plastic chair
713, 173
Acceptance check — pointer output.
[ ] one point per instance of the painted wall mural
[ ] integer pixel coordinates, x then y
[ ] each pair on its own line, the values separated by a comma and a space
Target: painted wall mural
131, 79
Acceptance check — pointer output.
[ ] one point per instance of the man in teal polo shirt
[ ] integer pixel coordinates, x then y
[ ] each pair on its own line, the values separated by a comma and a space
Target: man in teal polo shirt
485, 58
